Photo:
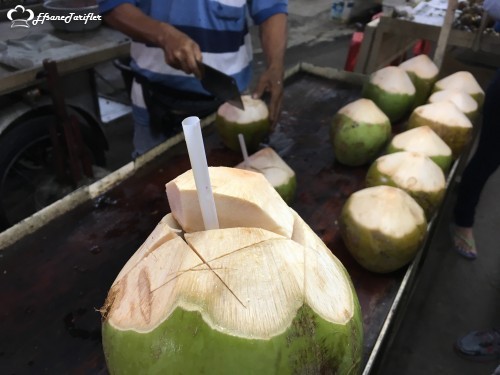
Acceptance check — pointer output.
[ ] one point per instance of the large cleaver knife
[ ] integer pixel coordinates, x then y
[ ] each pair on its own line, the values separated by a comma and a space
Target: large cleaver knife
220, 85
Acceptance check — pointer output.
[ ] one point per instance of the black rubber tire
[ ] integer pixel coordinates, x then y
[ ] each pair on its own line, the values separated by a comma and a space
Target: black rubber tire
23, 138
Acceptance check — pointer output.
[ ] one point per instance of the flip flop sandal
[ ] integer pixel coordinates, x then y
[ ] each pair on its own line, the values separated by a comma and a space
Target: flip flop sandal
464, 251
479, 345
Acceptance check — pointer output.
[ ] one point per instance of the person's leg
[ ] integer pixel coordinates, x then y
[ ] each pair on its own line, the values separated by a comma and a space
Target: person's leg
485, 161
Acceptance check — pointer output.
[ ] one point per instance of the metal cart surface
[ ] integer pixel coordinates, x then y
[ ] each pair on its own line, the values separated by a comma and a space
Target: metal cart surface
57, 267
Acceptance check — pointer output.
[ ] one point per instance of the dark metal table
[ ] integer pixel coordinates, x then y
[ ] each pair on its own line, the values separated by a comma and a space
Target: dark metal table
53, 280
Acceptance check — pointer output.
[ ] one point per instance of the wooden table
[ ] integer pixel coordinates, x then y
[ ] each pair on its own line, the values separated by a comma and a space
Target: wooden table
387, 38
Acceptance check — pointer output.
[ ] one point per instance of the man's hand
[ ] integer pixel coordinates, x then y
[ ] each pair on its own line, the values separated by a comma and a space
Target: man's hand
271, 81
181, 52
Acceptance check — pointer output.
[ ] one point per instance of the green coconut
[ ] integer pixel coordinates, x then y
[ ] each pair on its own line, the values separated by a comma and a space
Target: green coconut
253, 122
383, 227
276, 171
359, 131
462, 81
423, 140
392, 90
423, 73
234, 300
464, 102
412, 172
447, 121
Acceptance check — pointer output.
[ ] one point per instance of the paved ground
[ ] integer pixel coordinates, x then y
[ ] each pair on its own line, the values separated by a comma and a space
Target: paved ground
452, 295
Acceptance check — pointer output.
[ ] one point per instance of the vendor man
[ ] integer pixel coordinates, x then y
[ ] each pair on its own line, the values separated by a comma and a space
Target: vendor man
171, 36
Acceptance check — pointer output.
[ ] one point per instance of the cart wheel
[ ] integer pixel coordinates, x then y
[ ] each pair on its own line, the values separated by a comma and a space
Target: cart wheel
27, 175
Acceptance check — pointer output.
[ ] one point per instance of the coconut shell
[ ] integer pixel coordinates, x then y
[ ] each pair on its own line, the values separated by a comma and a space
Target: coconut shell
462, 81
455, 130
425, 141
464, 102
414, 173
423, 73
359, 132
238, 299
392, 90
253, 123
376, 249
276, 171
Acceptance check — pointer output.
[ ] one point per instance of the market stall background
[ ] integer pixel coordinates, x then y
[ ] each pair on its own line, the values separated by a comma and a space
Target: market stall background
82, 264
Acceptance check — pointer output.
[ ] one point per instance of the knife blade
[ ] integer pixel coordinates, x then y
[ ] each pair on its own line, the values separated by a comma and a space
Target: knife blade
220, 85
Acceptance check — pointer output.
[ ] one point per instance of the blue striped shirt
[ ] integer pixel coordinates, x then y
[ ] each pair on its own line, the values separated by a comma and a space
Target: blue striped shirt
218, 26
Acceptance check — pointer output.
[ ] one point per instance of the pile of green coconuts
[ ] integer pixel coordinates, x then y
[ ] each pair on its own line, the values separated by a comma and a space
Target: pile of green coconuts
384, 224
263, 294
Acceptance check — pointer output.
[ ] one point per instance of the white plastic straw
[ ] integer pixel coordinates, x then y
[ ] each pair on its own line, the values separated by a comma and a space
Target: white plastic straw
198, 159
244, 151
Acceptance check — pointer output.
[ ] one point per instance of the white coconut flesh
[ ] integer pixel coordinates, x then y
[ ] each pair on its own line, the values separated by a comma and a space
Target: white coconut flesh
255, 110
422, 66
464, 102
386, 209
462, 81
242, 293
445, 113
393, 80
271, 165
412, 171
246, 193
421, 140
364, 111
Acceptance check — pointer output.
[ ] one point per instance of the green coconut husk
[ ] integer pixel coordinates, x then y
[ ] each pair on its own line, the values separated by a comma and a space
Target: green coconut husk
462, 81
253, 123
238, 299
464, 102
451, 125
414, 173
392, 90
359, 132
425, 141
276, 171
382, 227
423, 73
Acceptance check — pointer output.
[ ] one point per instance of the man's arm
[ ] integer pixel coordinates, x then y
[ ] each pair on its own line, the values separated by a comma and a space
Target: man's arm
273, 36
181, 52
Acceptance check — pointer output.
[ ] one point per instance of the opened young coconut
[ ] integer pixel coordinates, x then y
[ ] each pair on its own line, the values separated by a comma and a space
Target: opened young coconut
464, 102
392, 90
423, 140
415, 173
253, 122
462, 81
382, 227
276, 171
423, 73
447, 121
359, 131
260, 295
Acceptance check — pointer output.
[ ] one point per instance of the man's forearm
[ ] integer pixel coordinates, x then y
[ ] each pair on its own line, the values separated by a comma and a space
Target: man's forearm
273, 36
